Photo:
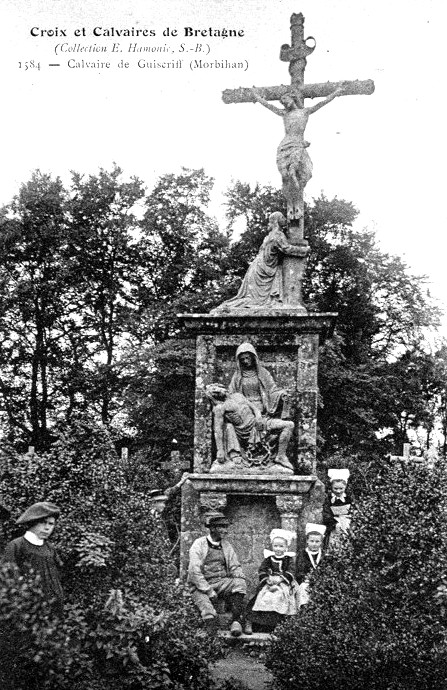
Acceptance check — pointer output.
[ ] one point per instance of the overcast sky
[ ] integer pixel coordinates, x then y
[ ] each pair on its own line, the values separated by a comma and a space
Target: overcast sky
385, 152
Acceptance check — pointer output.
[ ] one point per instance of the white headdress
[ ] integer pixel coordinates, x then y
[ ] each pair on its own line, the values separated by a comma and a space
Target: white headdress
338, 473
313, 527
282, 534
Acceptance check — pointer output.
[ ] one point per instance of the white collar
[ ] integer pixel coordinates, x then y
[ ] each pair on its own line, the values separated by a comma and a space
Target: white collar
342, 497
33, 539
311, 557
214, 543
268, 553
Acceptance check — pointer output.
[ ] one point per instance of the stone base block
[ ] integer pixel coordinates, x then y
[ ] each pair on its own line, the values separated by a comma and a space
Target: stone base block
256, 641
254, 505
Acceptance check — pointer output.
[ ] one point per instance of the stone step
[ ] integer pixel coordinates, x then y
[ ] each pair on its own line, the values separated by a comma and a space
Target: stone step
257, 642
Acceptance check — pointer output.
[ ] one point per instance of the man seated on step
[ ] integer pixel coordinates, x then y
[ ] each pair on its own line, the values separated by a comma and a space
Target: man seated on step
214, 571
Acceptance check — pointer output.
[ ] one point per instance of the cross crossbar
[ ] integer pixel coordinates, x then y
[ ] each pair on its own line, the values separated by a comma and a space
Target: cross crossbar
274, 93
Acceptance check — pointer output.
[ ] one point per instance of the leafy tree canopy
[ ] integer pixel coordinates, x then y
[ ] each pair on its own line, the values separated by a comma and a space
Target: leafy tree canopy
93, 276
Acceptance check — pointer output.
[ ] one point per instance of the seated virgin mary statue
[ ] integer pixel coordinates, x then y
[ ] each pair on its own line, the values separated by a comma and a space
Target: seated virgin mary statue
250, 429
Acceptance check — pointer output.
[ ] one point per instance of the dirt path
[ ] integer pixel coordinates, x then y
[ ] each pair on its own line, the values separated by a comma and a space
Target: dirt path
246, 669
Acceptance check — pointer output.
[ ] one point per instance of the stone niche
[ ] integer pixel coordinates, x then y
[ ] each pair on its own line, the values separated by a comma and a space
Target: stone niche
256, 501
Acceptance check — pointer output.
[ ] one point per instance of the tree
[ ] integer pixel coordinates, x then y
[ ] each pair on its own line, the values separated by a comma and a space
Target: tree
185, 261
185, 253
113, 282
441, 367
105, 255
35, 306
67, 267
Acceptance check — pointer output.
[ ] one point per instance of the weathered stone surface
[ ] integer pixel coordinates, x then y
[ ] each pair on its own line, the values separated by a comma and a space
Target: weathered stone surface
279, 323
263, 285
292, 158
289, 505
252, 484
213, 501
289, 354
245, 94
311, 512
273, 279
251, 424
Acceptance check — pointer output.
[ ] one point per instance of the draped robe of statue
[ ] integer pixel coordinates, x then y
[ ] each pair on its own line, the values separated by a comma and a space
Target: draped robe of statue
263, 283
241, 434
253, 398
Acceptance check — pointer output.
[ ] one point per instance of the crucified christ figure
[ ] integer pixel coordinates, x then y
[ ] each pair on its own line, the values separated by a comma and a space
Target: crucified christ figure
292, 159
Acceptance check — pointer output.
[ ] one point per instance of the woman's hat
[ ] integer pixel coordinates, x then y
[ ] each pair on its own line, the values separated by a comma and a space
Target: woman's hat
38, 511
313, 527
338, 473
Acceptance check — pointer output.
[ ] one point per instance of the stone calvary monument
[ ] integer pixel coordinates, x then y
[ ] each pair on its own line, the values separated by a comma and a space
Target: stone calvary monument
256, 392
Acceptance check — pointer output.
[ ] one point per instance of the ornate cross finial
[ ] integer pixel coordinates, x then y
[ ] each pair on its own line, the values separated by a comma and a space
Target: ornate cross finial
297, 54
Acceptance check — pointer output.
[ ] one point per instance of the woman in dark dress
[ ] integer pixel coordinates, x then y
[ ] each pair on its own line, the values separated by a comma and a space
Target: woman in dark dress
337, 505
32, 552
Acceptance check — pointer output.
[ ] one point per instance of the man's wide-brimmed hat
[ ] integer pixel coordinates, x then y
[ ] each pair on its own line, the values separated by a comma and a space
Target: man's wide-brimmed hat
157, 495
216, 520
38, 511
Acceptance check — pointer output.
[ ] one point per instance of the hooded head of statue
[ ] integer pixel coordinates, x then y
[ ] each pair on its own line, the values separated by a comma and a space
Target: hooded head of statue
254, 381
246, 357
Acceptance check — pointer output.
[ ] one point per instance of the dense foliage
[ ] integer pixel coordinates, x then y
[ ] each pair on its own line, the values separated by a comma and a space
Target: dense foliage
128, 623
375, 619
92, 277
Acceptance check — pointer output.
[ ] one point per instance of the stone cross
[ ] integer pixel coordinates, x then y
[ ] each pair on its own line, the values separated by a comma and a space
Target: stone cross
176, 463
405, 453
292, 158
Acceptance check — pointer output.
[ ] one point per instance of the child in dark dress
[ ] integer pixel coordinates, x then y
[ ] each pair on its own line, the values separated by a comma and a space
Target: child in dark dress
309, 558
277, 590
337, 505
32, 552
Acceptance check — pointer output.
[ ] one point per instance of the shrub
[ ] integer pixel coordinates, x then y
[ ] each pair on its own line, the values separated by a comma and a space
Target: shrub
36, 650
375, 619
129, 623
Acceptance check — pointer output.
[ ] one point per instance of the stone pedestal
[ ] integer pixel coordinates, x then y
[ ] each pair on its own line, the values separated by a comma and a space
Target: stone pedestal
254, 505
287, 343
